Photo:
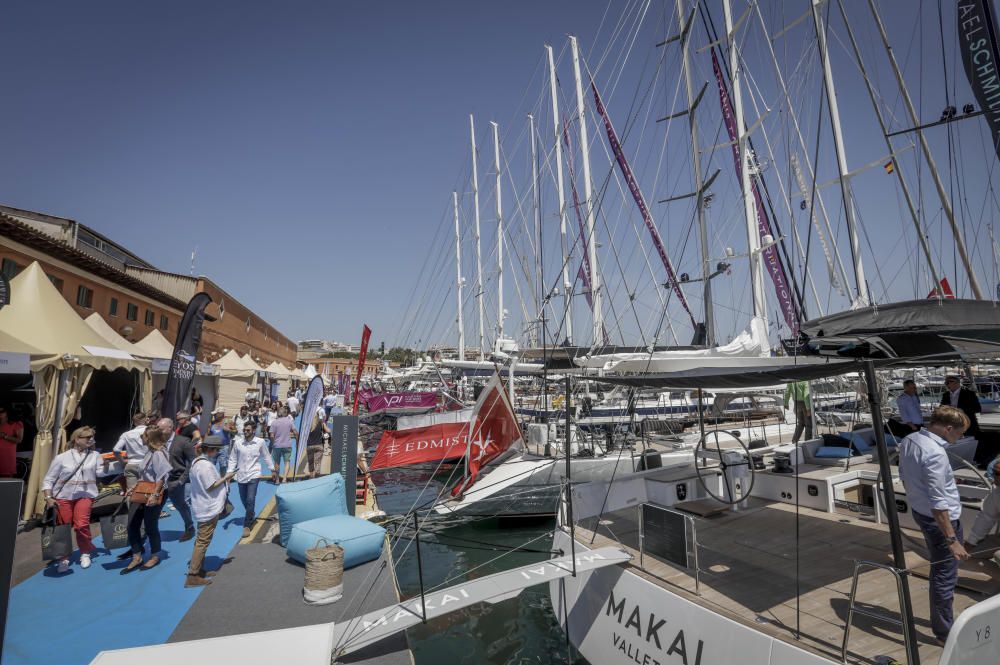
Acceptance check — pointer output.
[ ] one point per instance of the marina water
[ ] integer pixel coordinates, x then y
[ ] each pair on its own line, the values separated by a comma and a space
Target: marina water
519, 630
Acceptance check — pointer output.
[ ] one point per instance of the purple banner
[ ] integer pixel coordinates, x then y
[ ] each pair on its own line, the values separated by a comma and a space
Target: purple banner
402, 402
782, 289
633, 187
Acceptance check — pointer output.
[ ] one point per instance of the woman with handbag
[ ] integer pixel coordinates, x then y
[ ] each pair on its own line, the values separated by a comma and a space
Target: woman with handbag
145, 499
70, 487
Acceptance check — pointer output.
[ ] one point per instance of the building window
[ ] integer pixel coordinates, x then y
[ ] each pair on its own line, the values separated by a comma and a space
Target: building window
132, 312
113, 307
84, 296
150, 318
56, 282
164, 322
10, 269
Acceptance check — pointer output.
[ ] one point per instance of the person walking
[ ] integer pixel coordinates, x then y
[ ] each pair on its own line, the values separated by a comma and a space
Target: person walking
133, 444
246, 455
221, 428
185, 427
962, 398
208, 501
283, 432
293, 404
70, 487
329, 402
798, 393
315, 443
11, 434
146, 514
936, 507
908, 404
181, 451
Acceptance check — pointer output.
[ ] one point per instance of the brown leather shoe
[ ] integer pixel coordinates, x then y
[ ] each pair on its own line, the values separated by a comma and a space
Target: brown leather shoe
195, 581
246, 532
186, 536
208, 573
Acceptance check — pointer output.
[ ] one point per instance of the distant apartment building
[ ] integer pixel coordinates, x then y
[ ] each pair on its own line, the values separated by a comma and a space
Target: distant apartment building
96, 274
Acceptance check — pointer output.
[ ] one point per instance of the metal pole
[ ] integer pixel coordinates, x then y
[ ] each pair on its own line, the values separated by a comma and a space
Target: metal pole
595, 279
885, 473
860, 284
420, 568
479, 255
458, 271
536, 204
569, 485
556, 132
499, 202
931, 164
749, 211
706, 267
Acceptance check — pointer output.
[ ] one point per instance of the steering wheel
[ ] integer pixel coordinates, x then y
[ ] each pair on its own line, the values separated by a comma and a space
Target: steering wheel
702, 457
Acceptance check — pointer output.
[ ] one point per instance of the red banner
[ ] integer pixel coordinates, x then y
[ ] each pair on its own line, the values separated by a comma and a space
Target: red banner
495, 430
365, 335
421, 444
943, 290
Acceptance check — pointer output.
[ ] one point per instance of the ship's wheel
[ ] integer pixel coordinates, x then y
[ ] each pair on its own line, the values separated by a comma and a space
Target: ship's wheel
710, 456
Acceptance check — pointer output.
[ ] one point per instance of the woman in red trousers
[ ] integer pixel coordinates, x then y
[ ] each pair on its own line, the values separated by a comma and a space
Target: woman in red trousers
70, 486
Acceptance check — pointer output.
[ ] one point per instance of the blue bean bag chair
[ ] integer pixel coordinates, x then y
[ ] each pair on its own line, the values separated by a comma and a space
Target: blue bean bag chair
309, 499
361, 540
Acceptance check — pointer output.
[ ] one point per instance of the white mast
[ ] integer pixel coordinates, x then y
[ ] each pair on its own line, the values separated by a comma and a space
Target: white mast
595, 280
861, 285
749, 207
496, 167
557, 137
479, 256
932, 165
460, 281
698, 183
537, 323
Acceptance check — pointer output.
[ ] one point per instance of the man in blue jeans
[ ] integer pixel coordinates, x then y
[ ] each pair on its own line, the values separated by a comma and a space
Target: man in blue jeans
926, 473
247, 454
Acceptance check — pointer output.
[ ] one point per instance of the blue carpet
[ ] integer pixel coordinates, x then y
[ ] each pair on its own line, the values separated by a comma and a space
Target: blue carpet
67, 619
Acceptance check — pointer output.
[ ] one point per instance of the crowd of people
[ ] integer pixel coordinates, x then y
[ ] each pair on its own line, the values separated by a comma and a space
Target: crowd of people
185, 462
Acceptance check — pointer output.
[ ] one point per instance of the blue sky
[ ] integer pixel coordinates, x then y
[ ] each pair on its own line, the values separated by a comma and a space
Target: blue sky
309, 149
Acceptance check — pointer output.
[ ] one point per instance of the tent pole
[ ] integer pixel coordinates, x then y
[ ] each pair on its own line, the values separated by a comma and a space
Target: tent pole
885, 473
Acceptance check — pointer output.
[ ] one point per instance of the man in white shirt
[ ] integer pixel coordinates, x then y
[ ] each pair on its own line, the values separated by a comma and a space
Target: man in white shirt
132, 444
936, 506
293, 405
246, 455
329, 402
208, 500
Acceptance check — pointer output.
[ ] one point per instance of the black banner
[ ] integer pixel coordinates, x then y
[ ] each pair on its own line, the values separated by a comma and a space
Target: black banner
977, 39
184, 361
10, 508
4, 290
344, 454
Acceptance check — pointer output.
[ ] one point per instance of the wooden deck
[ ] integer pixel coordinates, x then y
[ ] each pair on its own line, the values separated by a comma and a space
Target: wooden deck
756, 562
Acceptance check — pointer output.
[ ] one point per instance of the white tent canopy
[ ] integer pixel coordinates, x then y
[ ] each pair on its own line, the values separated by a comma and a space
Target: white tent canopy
101, 327
155, 345
235, 379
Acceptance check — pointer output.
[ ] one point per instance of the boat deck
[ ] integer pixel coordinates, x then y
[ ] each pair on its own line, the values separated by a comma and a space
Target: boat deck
755, 563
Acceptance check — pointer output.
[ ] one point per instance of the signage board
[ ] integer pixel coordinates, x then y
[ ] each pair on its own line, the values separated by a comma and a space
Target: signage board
344, 453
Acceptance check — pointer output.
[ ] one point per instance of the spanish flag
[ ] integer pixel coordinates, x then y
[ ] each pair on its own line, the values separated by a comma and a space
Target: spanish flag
889, 167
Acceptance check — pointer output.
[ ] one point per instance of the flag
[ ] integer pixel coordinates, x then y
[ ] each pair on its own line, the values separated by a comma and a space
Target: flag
310, 405
890, 167
421, 444
494, 430
942, 291
366, 334
184, 360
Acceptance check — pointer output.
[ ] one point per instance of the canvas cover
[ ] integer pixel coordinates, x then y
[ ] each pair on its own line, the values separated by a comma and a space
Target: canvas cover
101, 327
155, 345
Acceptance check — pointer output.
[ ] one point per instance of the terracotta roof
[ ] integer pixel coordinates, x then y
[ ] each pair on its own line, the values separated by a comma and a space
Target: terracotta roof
16, 230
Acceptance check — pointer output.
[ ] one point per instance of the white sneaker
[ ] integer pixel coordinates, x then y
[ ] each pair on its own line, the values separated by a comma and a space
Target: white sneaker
85, 561
63, 566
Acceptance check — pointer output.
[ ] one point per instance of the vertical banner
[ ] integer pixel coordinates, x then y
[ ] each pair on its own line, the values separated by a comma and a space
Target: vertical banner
340, 383
977, 39
344, 454
184, 360
310, 404
10, 504
772, 262
365, 336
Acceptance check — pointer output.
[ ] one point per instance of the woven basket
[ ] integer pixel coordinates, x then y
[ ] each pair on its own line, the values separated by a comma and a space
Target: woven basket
324, 582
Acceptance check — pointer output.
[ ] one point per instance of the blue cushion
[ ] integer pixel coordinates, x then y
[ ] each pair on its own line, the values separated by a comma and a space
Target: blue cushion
361, 540
859, 439
834, 452
309, 499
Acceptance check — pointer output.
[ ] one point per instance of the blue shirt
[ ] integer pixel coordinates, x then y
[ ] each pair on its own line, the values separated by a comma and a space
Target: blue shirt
219, 430
909, 409
926, 473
